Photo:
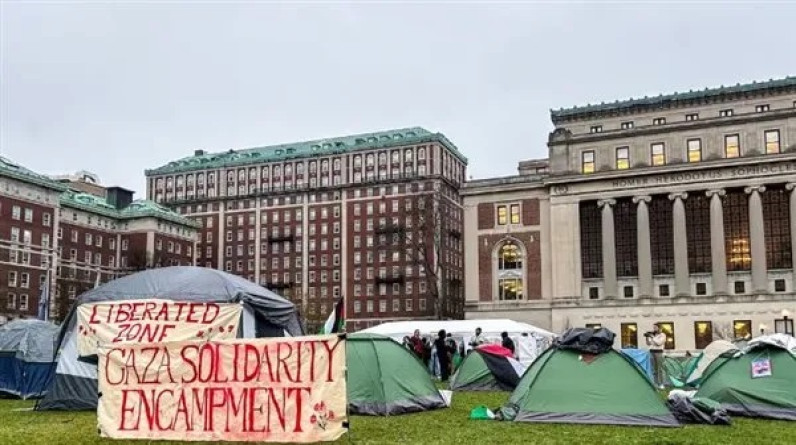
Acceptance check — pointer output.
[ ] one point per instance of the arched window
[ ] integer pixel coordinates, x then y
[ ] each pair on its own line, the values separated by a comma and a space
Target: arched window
510, 275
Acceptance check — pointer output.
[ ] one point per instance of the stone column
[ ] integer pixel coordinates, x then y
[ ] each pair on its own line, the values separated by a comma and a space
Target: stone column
717, 248
757, 239
792, 187
609, 248
682, 281
644, 247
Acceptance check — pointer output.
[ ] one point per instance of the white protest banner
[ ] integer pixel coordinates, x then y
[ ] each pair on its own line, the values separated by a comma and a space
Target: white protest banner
150, 321
259, 390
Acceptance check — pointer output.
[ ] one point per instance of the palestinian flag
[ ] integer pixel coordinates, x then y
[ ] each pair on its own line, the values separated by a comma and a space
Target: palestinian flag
488, 368
336, 321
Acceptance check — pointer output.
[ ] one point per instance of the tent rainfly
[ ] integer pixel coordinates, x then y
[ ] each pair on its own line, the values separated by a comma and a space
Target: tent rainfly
385, 379
759, 382
715, 353
26, 357
265, 314
581, 379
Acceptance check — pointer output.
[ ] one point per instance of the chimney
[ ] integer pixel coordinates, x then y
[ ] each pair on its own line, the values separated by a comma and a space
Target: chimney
119, 197
198, 152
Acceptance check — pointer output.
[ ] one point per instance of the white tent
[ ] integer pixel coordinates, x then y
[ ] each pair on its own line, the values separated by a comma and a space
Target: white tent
463, 330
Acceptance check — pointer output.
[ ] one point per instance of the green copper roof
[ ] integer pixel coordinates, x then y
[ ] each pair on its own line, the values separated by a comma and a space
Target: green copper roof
140, 208
666, 99
366, 141
16, 171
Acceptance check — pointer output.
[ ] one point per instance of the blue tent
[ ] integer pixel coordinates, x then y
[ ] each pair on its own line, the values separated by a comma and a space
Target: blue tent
26, 357
643, 359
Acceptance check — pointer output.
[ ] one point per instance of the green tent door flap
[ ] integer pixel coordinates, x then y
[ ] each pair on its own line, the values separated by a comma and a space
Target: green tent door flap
386, 379
758, 383
565, 386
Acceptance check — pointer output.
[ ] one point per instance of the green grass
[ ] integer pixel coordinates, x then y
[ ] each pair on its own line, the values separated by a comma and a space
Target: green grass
449, 426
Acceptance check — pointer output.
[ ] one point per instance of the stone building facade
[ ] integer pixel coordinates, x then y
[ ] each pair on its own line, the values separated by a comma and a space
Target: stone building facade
56, 229
375, 218
678, 209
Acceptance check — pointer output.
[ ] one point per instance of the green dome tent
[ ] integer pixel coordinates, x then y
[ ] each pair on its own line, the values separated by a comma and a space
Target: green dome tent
386, 379
569, 385
489, 368
761, 382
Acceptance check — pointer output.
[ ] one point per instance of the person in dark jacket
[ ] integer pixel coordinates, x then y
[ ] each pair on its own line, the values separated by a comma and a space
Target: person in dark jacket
443, 355
507, 342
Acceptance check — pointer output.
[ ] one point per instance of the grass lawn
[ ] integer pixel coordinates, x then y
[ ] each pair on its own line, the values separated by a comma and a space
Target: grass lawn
450, 426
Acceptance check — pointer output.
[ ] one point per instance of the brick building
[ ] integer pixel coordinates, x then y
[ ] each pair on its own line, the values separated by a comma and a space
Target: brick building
375, 217
77, 233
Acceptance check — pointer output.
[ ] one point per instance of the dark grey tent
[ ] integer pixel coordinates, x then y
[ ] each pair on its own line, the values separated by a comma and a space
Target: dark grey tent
26, 355
265, 314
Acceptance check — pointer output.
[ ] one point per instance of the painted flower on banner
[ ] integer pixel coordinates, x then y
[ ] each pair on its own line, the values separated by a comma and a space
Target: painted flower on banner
322, 416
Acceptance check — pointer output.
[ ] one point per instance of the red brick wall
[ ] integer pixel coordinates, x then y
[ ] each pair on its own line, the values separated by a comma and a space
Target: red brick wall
530, 212
486, 216
533, 264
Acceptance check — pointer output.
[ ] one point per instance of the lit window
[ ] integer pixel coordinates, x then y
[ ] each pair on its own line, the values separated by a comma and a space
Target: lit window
703, 334
732, 146
502, 215
658, 153
762, 108
742, 329
629, 335
596, 129
587, 161
692, 117
659, 121
622, 158
515, 213
772, 142
510, 289
694, 150
626, 125
725, 113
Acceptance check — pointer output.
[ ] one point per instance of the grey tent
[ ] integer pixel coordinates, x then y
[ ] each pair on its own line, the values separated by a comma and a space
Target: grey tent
26, 357
265, 314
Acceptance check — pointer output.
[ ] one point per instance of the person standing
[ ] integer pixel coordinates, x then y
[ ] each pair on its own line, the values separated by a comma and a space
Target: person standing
443, 355
478, 340
508, 343
416, 345
656, 340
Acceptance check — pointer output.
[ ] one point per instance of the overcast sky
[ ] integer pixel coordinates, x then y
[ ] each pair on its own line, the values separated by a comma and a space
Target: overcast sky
115, 88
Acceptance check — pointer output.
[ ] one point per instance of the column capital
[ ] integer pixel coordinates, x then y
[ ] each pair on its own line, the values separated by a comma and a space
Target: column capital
754, 188
790, 186
715, 192
606, 202
644, 198
678, 195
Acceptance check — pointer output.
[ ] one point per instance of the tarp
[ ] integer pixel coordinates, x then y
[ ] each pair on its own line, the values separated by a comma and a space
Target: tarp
265, 314
697, 410
483, 370
386, 379
782, 341
642, 358
711, 353
26, 357
588, 340
569, 386
757, 383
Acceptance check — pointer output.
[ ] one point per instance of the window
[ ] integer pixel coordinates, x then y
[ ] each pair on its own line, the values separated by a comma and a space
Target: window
703, 334
661, 235
779, 285
591, 240
510, 289
629, 333
24, 280
626, 238
663, 290
502, 215
762, 108
658, 153
16, 212
667, 327
659, 121
23, 302
45, 219
736, 231
742, 329
772, 142
726, 113
622, 158
12, 301
628, 291
783, 326
515, 213
12, 279
701, 289
596, 129
739, 287
694, 150
732, 146
692, 117
587, 161
626, 125
594, 293
28, 218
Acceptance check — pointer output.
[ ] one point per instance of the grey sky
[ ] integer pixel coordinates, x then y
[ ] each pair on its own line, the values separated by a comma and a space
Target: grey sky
115, 88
